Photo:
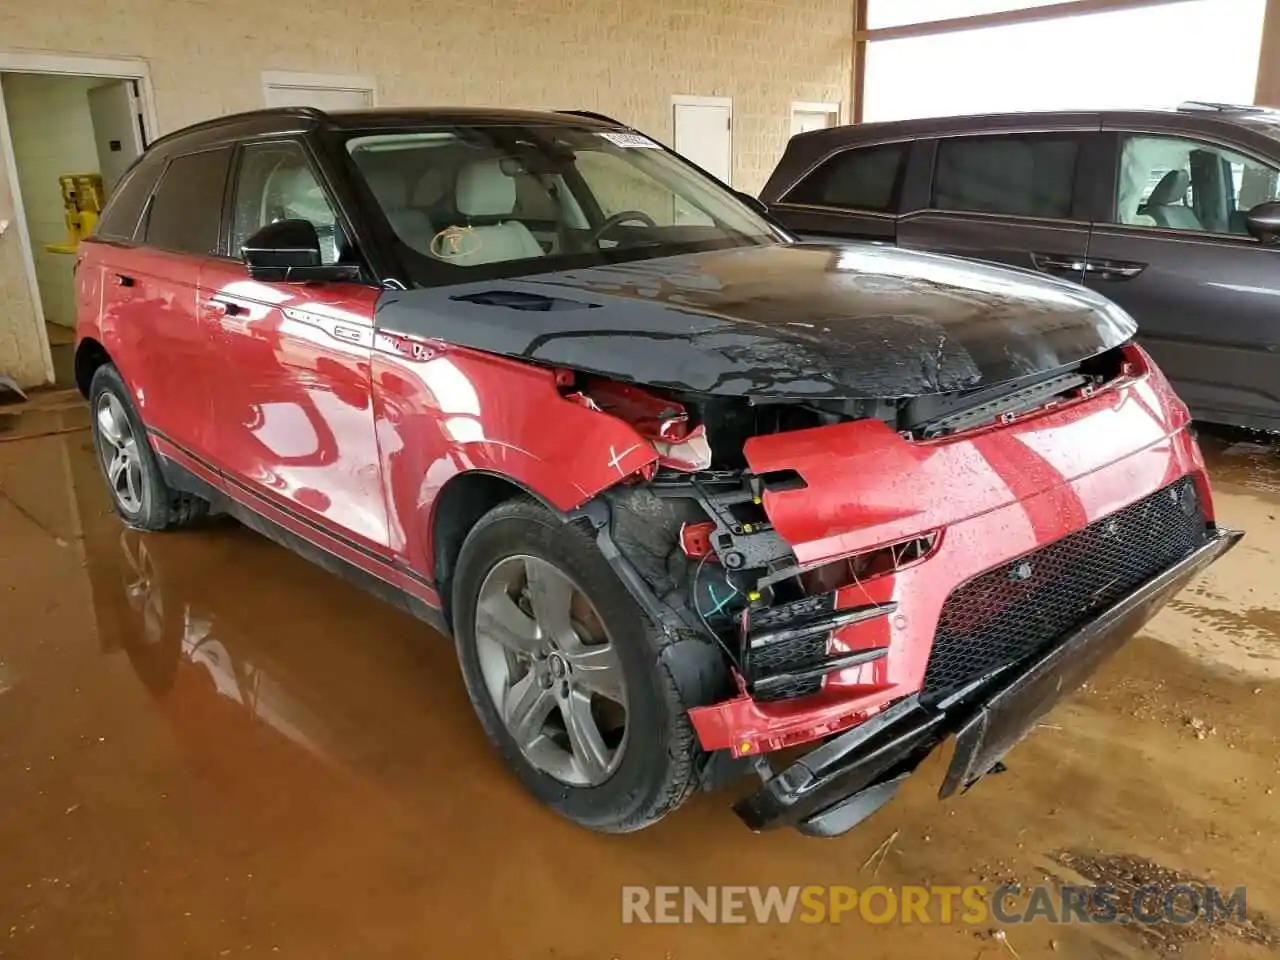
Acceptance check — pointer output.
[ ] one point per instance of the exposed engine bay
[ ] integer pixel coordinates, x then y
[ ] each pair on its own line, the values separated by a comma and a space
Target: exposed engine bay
695, 544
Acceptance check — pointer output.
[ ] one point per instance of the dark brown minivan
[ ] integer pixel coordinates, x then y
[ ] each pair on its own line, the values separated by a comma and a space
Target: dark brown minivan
1171, 214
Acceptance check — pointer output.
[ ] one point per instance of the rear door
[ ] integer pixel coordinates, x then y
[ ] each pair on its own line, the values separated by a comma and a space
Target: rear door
150, 318
853, 193
1018, 198
294, 417
1175, 251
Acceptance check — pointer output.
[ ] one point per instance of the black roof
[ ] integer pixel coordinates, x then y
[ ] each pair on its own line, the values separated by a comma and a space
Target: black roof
294, 120
1206, 119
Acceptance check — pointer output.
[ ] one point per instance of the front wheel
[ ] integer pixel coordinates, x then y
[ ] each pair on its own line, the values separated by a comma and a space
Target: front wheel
565, 672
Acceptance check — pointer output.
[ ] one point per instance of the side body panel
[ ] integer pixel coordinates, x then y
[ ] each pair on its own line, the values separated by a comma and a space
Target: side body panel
293, 407
445, 411
153, 330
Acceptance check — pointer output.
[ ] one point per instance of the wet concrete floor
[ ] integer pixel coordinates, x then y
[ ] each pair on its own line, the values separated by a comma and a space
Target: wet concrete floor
210, 748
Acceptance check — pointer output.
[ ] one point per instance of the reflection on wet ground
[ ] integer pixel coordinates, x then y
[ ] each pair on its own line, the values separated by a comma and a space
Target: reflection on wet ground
210, 748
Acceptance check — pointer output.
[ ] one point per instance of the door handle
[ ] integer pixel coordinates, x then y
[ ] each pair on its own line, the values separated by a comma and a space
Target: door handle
124, 280
1102, 269
1049, 263
1113, 269
225, 308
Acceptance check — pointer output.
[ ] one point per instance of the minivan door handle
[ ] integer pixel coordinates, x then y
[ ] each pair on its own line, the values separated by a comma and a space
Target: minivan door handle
1050, 263
124, 280
1113, 269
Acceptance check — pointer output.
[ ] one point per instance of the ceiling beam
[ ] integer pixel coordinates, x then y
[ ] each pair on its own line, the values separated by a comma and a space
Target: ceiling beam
1068, 8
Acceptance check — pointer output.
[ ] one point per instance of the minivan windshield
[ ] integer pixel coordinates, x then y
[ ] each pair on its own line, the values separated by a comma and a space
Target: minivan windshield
471, 203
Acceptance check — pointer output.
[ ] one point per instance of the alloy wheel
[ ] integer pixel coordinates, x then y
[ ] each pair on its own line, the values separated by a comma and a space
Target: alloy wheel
121, 459
552, 670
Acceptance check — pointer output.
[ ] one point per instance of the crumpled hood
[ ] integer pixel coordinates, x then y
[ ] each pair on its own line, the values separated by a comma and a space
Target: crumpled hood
856, 321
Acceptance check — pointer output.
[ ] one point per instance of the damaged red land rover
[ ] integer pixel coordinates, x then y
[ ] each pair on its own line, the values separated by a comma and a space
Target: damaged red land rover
684, 491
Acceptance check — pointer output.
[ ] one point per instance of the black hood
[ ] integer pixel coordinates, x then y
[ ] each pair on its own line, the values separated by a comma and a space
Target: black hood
856, 321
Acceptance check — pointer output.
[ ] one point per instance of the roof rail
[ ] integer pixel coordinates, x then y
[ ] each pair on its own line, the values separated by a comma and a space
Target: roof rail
592, 115
1208, 106
313, 113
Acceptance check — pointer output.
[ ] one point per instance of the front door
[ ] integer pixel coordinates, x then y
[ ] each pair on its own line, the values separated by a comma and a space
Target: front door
295, 427
1177, 255
1013, 198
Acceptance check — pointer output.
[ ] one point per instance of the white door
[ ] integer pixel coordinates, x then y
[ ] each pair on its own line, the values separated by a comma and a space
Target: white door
804, 119
703, 134
322, 98
117, 129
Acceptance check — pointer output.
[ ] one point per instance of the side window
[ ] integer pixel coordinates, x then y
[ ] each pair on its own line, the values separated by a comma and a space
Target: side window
1182, 184
186, 210
869, 178
119, 220
276, 182
1028, 175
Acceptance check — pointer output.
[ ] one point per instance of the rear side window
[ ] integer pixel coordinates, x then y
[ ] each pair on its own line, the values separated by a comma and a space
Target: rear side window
124, 209
1028, 175
866, 179
186, 211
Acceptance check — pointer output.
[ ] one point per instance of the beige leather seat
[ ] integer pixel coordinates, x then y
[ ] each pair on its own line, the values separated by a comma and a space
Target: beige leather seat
411, 225
484, 195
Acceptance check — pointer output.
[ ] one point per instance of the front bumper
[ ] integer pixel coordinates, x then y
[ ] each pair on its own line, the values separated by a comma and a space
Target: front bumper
838, 785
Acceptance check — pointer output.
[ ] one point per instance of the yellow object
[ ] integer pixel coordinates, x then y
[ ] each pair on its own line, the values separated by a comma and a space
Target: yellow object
82, 196
753, 596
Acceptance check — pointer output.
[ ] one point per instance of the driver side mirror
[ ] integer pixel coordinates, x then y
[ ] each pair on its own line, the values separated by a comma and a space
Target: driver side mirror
1264, 221
288, 251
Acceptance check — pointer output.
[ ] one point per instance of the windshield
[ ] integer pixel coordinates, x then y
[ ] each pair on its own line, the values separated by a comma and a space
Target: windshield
506, 200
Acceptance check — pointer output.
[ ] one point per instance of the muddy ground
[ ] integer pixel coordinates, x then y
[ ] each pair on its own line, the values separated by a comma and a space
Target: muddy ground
210, 748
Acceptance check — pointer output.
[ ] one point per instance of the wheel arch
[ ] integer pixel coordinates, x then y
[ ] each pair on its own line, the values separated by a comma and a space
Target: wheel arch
90, 355
461, 502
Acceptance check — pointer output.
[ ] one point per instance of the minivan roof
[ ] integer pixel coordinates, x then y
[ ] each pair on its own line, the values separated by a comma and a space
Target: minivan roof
1192, 117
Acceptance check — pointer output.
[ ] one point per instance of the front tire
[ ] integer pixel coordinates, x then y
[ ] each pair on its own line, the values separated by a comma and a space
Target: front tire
565, 672
138, 491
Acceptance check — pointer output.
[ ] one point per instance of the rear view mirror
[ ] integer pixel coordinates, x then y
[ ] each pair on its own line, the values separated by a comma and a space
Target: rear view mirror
288, 251
1264, 221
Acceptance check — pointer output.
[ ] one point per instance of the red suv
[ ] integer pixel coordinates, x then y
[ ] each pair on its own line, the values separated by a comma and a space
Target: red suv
684, 490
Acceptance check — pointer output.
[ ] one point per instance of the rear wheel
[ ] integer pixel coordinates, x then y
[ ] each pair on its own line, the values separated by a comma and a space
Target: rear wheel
138, 491
565, 672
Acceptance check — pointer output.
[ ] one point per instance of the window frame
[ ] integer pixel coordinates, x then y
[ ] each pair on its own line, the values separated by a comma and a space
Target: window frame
905, 144
359, 240
142, 167
1115, 136
1083, 199
144, 220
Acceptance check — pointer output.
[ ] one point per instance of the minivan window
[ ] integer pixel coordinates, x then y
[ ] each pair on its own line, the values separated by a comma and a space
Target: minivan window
124, 208
1183, 184
1027, 175
869, 178
186, 211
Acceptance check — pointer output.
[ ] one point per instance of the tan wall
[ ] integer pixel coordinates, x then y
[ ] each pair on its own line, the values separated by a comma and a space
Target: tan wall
52, 135
621, 57
1268, 88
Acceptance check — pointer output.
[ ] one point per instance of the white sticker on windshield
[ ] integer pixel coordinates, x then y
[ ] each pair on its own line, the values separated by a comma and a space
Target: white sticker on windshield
633, 141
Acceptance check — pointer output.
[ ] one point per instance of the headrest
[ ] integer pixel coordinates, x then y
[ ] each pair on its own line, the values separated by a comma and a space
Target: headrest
389, 188
483, 190
1171, 189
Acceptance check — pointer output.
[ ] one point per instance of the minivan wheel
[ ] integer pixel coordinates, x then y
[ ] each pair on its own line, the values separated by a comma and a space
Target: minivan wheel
138, 491
565, 673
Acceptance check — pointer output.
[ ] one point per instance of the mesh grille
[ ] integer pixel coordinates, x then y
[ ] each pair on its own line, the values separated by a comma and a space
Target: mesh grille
787, 655
1022, 607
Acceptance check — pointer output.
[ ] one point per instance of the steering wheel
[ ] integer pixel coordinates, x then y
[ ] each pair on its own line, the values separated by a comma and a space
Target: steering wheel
619, 218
